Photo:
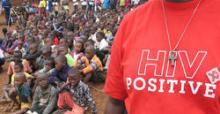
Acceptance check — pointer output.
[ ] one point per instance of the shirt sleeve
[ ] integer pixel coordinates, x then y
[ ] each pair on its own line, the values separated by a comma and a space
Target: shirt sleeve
70, 60
91, 67
52, 102
103, 44
14, 45
96, 64
85, 61
28, 76
52, 77
90, 102
115, 86
36, 99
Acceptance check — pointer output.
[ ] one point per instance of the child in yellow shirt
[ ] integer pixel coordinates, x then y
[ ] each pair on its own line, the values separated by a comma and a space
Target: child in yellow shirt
42, 7
19, 68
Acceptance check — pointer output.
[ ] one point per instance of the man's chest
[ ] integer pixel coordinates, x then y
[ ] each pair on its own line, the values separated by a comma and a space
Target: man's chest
146, 65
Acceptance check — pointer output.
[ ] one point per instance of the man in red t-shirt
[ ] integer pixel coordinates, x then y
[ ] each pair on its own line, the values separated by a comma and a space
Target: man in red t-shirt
166, 59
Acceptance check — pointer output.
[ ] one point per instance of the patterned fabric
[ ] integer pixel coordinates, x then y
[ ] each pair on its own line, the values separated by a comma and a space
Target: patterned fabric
81, 95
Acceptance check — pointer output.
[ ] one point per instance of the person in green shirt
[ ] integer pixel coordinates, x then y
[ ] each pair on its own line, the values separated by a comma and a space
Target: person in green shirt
63, 50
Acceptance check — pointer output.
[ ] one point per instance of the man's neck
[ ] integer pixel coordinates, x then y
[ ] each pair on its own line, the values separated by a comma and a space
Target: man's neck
178, 1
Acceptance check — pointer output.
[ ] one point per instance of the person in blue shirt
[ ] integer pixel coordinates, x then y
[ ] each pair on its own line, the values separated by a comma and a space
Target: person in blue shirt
106, 4
49, 7
6, 4
59, 74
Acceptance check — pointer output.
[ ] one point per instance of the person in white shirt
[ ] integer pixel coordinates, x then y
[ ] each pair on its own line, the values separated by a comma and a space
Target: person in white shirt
101, 42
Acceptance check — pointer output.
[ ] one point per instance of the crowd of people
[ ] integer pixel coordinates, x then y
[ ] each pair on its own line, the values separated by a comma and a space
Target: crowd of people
54, 52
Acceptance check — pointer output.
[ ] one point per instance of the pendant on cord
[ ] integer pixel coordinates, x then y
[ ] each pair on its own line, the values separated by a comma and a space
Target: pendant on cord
172, 58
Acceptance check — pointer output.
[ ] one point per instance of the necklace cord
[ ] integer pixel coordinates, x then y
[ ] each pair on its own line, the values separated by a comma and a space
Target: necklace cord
185, 28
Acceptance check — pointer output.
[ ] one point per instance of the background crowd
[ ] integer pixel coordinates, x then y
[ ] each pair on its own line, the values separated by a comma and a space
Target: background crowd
56, 48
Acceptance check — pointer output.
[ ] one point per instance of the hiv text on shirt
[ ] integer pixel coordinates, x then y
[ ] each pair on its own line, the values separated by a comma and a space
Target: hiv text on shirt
180, 79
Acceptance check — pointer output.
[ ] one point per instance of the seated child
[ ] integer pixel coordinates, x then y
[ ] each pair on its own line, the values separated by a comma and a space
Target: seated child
16, 58
49, 65
88, 43
108, 31
95, 65
63, 50
20, 47
63, 42
70, 41
81, 62
46, 53
8, 89
18, 67
23, 92
80, 59
32, 55
65, 4
59, 74
77, 98
78, 48
45, 96
49, 42
101, 42
102, 47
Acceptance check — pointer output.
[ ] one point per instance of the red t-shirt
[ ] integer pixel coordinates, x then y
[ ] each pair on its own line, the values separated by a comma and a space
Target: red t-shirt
141, 74
56, 41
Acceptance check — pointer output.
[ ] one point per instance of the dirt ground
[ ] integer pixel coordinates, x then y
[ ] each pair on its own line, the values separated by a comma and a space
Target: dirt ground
96, 89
